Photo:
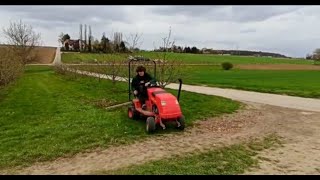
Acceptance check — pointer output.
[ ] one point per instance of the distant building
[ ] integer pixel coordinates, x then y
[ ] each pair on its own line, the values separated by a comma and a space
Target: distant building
74, 44
315, 56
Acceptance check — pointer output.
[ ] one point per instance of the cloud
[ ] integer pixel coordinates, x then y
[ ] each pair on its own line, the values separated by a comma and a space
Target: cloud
290, 30
260, 13
250, 30
68, 14
226, 13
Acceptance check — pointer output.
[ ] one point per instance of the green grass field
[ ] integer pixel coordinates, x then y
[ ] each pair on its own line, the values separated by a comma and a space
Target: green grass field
296, 83
230, 160
45, 115
90, 57
187, 58
302, 83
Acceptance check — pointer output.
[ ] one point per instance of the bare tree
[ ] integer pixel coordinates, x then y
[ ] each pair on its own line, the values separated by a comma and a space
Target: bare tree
10, 66
85, 37
168, 70
115, 68
80, 34
167, 44
90, 39
134, 41
24, 39
61, 40
117, 39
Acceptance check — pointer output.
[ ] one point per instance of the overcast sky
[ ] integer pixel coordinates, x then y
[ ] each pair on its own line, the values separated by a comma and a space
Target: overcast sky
289, 30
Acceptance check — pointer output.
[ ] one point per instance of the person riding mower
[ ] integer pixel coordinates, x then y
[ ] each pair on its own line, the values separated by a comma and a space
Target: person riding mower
153, 103
139, 84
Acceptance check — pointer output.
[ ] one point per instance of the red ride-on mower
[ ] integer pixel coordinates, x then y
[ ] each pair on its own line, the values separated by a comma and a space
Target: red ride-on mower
161, 106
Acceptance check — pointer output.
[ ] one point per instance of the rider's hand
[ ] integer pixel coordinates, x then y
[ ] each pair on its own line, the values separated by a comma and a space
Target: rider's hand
135, 92
147, 84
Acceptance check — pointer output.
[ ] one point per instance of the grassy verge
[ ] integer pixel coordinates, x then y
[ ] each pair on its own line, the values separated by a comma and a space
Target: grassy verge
45, 115
187, 58
230, 160
296, 83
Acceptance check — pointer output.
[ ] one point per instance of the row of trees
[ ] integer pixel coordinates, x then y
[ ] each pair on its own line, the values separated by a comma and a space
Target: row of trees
195, 50
180, 49
168, 71
18, 50
116, 43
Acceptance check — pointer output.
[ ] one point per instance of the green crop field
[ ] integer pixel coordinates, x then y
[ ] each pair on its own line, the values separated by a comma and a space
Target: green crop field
304, 83
291, 82
187, 58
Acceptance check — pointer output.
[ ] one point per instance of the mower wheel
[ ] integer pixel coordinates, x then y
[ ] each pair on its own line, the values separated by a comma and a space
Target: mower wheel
182, 123
132, 113
150, 125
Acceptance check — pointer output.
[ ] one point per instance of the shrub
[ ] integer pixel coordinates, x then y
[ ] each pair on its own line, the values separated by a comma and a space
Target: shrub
227, 65
60, 69
11, 66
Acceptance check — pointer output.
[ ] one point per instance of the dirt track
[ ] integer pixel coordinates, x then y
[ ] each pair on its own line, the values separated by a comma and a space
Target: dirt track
300, 154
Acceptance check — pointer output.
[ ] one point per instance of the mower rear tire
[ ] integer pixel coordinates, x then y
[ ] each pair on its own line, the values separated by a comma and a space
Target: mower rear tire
150, 125
182, 123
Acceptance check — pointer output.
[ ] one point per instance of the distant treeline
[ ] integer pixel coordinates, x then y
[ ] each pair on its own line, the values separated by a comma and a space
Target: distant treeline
195, 50
248, 53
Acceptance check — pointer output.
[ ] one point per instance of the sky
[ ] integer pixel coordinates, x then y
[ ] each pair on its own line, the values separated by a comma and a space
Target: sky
290, 30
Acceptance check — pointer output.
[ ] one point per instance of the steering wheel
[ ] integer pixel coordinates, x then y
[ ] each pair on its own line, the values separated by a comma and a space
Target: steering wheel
152, 83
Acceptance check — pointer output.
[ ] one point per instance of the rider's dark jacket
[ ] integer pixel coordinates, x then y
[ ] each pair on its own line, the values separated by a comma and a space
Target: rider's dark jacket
138, 81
